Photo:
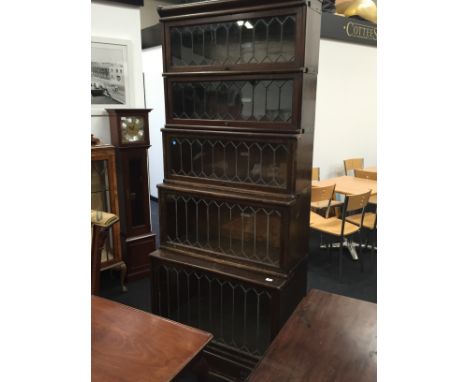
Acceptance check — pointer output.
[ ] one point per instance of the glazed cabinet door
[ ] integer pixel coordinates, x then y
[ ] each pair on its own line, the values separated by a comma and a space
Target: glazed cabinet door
104, 198
249, 161
228, 228
135, 171
266, 40
254, 102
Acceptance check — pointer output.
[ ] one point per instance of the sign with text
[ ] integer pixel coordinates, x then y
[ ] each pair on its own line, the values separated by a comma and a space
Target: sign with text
348, 29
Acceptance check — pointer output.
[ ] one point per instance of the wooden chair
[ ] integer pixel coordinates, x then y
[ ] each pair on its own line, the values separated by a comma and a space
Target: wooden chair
352, 164
369, 223
363, 174
322, 198
343, 229
101, 222
315, 173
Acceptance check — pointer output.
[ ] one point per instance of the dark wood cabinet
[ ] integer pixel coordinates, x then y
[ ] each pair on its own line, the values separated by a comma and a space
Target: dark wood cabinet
130, 135
240, 86
104, 197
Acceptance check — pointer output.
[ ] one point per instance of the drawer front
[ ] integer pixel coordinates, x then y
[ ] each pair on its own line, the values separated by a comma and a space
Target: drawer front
216, 228
242, 161
263, 40
250, 101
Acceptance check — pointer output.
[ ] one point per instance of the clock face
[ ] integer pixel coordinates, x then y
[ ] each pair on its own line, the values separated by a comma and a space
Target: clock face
132, 129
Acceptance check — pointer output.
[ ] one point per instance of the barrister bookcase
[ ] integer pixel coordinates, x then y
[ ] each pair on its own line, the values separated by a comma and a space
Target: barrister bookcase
240, 84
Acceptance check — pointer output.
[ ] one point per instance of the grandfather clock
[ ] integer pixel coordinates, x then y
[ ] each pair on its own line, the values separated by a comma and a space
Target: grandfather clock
130, 135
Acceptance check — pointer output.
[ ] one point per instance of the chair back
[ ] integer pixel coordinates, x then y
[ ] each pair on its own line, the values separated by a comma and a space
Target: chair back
352, 164
315, 173
323, 193
353, 203
320, 193
363, 174
357, 202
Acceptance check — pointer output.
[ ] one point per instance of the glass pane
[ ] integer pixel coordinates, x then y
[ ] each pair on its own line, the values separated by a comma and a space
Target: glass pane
236, 313
228, 228
252, 163
100, 200
99, 181
249, 41
107, 253
132, 129
254, 100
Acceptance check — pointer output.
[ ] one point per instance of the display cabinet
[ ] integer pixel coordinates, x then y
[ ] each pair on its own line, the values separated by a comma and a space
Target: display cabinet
130, 135
104, 197
240, 85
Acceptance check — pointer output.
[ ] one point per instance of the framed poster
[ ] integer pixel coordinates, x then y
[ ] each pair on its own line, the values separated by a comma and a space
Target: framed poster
111, 74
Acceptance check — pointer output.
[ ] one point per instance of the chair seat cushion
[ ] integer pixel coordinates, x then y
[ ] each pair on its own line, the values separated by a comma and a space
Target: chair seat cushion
368, 222
332, 226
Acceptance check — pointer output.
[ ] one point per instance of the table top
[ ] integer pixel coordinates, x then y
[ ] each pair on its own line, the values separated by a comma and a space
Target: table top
132, 345
349, 185
327, 338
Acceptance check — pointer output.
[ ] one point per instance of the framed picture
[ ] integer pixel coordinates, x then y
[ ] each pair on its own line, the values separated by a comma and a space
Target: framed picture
111, 70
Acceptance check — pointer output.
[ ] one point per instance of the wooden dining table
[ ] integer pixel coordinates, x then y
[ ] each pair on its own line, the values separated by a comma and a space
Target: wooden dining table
128, 344
349, 185
327, 338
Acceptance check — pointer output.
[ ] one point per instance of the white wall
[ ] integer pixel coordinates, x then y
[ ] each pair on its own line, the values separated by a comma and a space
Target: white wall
346, 114
117, 21
154, 89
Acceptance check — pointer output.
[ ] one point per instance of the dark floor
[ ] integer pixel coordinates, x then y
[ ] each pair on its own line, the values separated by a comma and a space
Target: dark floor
322, 274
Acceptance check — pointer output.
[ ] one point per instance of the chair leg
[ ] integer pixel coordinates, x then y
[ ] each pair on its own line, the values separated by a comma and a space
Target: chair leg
374, 251
340, 262
374, 245
361, 261
123, 274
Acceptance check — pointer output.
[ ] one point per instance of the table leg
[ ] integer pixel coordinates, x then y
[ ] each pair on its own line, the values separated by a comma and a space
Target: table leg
349, 244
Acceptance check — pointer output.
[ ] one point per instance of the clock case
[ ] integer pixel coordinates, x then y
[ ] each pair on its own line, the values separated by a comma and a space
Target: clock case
134, 198
115, 116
